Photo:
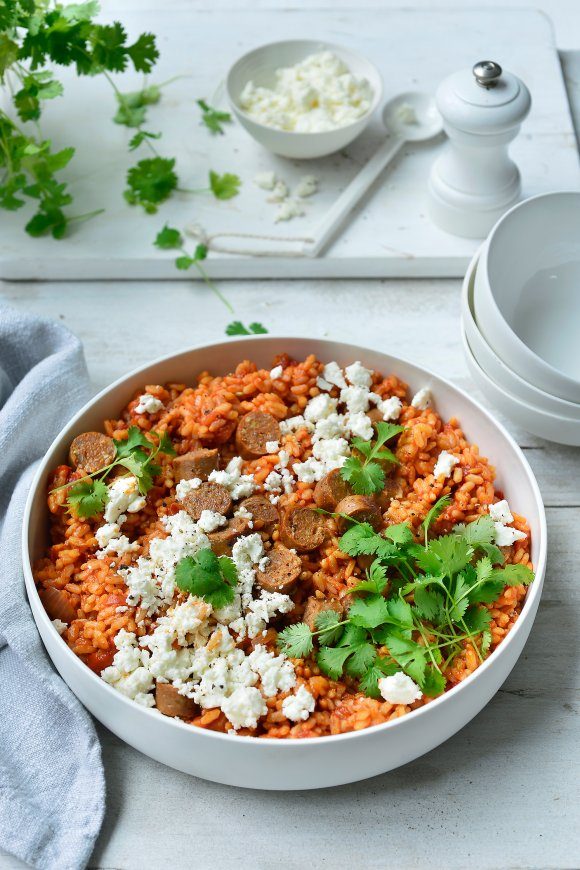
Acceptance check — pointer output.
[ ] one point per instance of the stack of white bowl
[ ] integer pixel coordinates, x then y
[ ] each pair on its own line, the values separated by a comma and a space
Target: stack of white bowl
521, 316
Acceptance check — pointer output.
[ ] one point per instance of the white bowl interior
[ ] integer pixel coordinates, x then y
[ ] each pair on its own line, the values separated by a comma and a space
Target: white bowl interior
314, 762
533, 265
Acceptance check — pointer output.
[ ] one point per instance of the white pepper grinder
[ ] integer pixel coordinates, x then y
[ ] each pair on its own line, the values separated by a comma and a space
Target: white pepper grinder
474, 181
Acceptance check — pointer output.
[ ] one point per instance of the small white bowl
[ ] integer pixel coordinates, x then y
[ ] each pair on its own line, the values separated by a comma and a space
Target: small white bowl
527, 292
562, 430
260, 66
311, 762
496, 369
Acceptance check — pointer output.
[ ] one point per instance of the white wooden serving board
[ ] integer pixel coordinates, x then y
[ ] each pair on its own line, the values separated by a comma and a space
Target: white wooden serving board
388, 236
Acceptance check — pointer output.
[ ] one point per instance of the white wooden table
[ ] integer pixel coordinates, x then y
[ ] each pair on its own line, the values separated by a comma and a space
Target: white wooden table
505, 791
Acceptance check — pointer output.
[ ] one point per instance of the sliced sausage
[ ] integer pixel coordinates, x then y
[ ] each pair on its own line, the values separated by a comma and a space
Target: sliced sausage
264, 513
223, 540
92, 451
302, 528
197, 463
315, 606
207, 497
361, 508
393, 489
375, 416
330, 490
57, 604
253, 433
171, 703
281, 572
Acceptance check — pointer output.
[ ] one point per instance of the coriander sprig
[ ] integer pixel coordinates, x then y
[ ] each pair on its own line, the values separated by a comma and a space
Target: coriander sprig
236, 327
205, 575
137, 454
213, 118
367, 475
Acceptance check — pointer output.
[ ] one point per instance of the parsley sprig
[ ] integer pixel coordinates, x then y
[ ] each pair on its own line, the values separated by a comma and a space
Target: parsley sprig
367, 475
236, 327
205, 575
417, 607
213, 118
137, 454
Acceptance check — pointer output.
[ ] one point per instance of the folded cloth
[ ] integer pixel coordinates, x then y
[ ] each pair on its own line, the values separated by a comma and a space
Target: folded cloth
52, 789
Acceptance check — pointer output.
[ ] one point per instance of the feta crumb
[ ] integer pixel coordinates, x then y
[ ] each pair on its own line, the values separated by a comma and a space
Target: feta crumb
148, 404
276, 672
272, 446
445, 464
399, 689
238, 485
106, 533
289, 209
307, 186
244, 707
184, 487
500, 512
124, 496
59, 625
245, 514
505, 536
406, 114
360, 425
276, 373
265, 180
298, 707
319, 407
358, 375
390, 408
292, 424
356, 398
309, 471
323, 385
279, 192
209, 521
422, 399
332, 373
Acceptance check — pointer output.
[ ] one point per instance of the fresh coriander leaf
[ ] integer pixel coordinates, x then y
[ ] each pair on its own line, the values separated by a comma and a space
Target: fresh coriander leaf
200, 252
401, 615
360, 539
369, 612
88, 498
477, 619
410, 655
228, 569
238, 328
150, 182
327, 627
513, 575
433, 682
224, 186
257, 329
134, 440
399, 534
184, 262
483, 570
168, 238
365, 479
480, 531
143, 53
369, 682
165, 446
428, 603
386, 431
207, 577
376, 579
361, 659
494, 553
331, 660
459, 590
296, 641
141, 137
454, 552
213, 118
434, 513
485, 643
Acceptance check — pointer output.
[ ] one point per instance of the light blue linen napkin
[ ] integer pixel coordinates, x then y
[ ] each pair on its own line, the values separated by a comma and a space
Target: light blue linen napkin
52, 790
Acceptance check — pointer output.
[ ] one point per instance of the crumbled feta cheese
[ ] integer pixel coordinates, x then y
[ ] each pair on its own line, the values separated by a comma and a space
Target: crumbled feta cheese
505, 536
129, 673
276, 672
279, 192
244, 707
244, 514
289, 208
292, 424
399, 689
406, 114
332, 452
319, 93
272, 446
283, 458
445, 464
106, 533
355, 398
332, 426
238, 485
390, 408
309, 471
421, 399
209, 521
265, 180
500, 512
124, 496
184, 487
298, 707
307, 186
319, 407
117, 546
358, 375
360, 425
276, 373
148, 404
323, 385
332, 373
59, 625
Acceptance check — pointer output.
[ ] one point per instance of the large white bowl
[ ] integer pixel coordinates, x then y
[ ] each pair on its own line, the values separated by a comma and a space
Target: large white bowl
260, 66
314, 762
496, 369
562, 430
527, 292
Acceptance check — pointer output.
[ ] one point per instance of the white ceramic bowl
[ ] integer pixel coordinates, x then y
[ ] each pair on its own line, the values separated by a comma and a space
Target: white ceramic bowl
527, 292
314, 762
496, 369
260, 66
562, 430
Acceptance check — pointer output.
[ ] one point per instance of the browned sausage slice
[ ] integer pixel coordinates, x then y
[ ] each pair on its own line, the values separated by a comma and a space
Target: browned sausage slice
92, 451
207, 497
315, 606
361, 508
253, 433
57, 604
330, 490
223, 540
171, 703
302, 528
197, 463
281, 572
264, 513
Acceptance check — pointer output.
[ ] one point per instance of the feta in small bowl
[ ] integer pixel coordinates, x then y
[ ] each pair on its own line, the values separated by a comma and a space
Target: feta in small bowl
302, 98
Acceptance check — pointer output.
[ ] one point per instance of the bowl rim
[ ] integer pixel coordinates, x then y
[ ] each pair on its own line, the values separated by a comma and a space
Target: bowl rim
531, 355
467, 293
535, 590
331, 46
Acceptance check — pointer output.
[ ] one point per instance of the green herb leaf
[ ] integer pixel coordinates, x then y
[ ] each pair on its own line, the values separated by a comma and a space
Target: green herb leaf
88, 498
410, 655
296, 641
434, 513
331, 660
369, 612
207, 577
238, 328
513, 575
213, 118
327, 627
141, 137
165, 446
150, 182
224, 186
365, 478
369, 682
433, 682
